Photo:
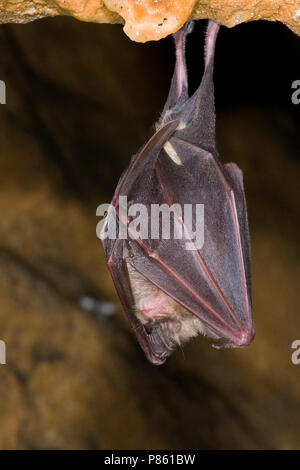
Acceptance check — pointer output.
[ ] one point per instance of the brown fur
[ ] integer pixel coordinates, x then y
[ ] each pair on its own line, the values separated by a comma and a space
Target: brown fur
172, 322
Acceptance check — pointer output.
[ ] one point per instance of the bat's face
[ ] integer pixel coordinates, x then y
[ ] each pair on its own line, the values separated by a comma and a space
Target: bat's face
172, 288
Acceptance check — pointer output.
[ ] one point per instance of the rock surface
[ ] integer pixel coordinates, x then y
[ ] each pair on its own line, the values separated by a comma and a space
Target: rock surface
147, 20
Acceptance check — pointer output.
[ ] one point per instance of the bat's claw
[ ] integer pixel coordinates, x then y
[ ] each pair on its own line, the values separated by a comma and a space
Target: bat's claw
187, 28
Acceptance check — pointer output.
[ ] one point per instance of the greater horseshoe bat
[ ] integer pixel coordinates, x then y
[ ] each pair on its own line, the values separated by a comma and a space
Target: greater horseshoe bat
171, 293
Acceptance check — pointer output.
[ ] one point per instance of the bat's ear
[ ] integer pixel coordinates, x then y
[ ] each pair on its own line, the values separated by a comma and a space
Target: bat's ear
199, 111
178, 93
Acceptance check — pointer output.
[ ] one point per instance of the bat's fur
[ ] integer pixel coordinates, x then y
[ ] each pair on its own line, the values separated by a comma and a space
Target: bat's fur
157, 311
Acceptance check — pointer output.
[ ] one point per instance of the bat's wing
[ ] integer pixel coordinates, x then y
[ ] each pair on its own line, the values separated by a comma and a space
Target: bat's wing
235, 177
218, 274
189, 172
214, 281
139, 174
151, 344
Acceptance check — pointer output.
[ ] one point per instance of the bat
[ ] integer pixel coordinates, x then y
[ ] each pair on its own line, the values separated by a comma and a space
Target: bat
173, 288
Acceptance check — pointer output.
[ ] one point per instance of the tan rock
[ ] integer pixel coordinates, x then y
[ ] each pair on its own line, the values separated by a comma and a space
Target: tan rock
146, 20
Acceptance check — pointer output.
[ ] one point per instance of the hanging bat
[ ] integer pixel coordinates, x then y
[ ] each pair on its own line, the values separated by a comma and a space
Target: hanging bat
170, 289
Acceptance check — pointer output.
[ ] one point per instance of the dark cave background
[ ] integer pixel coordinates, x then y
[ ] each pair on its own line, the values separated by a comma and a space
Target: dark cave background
81, 99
